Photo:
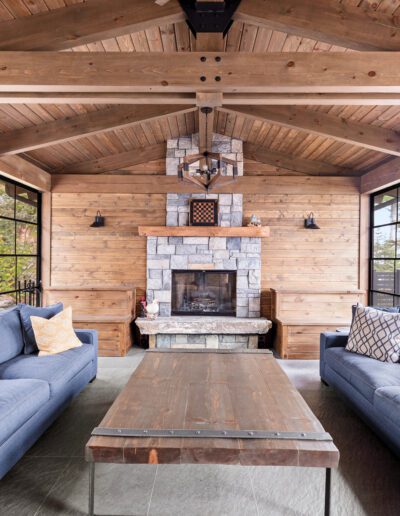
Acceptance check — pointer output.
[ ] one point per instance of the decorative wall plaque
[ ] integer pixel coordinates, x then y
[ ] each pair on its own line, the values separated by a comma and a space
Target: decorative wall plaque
203, 212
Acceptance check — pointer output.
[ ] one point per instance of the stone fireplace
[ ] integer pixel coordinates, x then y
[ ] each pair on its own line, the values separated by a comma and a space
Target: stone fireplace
204, 293
236, 258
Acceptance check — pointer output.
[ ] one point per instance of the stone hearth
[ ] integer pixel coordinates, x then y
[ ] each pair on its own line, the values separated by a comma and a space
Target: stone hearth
204, 332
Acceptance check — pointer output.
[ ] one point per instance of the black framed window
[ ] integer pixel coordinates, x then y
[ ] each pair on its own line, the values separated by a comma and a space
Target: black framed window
19, 244
385, 248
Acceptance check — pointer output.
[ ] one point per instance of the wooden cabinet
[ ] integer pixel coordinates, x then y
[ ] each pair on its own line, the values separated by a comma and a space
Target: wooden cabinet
109, 310
302, 315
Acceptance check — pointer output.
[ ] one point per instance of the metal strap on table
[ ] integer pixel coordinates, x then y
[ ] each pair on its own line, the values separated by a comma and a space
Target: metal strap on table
211, 434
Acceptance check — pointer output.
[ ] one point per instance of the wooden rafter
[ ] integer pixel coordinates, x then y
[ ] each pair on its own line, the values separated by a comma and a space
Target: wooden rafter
338, 24
294, 163
321, 124
86, 22
50, 133
383, 176
116, 161
16, 167
367, 72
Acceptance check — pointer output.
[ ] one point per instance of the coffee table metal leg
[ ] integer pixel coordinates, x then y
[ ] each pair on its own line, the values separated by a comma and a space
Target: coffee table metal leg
327, 492
91, 488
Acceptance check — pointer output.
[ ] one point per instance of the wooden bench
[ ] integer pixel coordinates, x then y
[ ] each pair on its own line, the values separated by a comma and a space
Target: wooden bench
109, 310
302, 315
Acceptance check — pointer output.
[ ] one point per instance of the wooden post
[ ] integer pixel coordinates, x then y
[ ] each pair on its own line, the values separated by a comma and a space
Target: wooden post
46, 240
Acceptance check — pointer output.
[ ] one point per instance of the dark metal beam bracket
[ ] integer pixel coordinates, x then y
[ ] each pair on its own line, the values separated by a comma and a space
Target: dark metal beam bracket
209, 16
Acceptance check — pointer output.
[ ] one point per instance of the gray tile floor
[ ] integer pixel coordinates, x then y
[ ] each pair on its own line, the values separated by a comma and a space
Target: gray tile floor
52, 478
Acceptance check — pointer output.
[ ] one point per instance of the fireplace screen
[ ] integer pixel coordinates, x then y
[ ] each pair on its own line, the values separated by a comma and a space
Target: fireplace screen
204, 293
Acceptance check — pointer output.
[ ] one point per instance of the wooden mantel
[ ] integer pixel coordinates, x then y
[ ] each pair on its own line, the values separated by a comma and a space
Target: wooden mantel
202, 231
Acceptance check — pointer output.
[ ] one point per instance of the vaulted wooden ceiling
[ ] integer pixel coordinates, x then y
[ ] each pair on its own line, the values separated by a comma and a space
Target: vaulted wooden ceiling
63, 136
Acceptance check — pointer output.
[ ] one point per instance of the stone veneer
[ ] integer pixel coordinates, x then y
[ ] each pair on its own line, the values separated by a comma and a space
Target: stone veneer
243, 255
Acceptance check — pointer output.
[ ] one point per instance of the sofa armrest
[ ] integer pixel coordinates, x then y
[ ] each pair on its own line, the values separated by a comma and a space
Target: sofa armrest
337, 339
88, 337
333, 339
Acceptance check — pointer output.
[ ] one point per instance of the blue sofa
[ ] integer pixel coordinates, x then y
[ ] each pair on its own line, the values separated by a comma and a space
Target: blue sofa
371, 387
35, 390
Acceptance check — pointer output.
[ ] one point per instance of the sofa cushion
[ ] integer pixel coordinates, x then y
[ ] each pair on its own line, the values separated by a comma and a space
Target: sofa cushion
19, 401
363, 373
57, 370
26, 311
387, 402
11, 340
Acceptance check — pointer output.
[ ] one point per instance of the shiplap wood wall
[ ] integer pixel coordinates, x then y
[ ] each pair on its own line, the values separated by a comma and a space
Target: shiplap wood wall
293, 258
296, 258
108, 256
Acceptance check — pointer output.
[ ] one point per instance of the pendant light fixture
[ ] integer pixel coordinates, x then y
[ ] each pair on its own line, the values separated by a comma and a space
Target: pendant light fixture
211, 165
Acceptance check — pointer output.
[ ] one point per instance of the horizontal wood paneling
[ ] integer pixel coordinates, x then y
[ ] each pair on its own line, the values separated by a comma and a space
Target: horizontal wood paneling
111, 304
108, 256
316, 306
296, 258
300, 341
293, 257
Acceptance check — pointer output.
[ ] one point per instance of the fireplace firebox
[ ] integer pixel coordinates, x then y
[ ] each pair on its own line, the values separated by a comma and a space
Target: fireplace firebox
204, 292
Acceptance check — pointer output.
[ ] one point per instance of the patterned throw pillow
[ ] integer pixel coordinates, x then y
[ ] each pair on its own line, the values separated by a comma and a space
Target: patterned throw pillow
375, 334
55, 335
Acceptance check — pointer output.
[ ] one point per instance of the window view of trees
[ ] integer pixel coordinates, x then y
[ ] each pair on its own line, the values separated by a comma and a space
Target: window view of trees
385, 259
19, 245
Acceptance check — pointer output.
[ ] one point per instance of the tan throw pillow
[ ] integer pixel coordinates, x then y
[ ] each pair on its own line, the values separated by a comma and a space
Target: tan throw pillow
55, 335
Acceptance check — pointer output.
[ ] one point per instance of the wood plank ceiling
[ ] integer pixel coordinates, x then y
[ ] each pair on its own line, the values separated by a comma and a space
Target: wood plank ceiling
242, 37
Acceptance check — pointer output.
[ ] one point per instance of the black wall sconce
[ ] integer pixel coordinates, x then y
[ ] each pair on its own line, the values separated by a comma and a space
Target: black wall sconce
99, 221
309, 222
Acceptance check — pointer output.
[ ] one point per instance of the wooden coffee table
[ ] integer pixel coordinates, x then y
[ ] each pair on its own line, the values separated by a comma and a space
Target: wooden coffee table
211, 407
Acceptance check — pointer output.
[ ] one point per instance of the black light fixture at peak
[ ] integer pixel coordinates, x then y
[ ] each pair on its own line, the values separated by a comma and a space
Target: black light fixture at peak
99, 221
209, 16
309, 222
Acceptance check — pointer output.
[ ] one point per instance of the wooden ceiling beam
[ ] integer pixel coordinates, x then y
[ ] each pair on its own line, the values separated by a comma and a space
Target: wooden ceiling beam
19, 169
207, 100
308, 72
229, 99
110, 183
206, 127
354, 133
383, 176
338, 24
84, 23
294, 163
210, 42
116, 162
61, 131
